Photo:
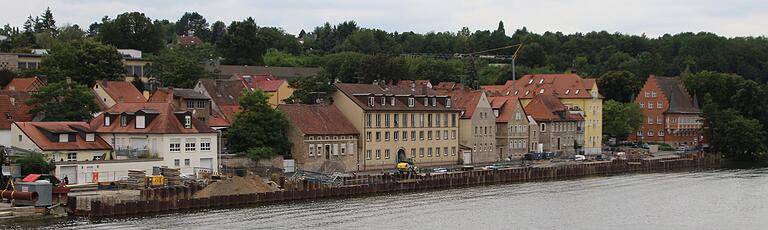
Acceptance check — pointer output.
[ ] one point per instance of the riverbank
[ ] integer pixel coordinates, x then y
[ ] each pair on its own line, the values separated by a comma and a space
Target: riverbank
169, 200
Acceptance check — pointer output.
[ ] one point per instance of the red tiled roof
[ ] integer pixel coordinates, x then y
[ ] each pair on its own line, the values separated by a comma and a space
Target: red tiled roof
38, 132
218, 120
407, 83
506, 106
189, 40
13, 104
266, 83
230, 112
549, 108
161, 118
29, 84
359, 93
224, 92
448, 86
561, 85
467, 101
121, 91
318, 119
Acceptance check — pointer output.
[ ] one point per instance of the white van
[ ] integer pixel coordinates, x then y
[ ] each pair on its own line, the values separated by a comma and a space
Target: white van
579, 157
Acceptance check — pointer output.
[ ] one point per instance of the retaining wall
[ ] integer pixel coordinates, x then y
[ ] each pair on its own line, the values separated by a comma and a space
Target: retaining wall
173, 199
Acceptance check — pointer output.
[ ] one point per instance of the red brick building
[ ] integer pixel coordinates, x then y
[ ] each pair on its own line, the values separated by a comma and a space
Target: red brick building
671, 114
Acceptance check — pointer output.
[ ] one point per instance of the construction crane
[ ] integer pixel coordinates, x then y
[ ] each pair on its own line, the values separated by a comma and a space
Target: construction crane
478, 55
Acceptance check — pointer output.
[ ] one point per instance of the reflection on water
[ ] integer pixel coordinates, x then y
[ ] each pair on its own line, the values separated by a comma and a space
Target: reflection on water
711, 199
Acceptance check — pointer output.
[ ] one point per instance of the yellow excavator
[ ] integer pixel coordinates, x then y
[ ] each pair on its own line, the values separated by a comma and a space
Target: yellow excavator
406, 166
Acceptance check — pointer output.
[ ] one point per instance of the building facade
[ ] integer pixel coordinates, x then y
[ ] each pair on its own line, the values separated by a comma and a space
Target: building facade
109, 93
559, 127
189, 100
671, 114
512, 127
322, 138
399, 123
477, 125
277, 89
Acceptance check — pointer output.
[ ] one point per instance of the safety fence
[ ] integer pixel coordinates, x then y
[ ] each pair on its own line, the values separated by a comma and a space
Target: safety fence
173, 199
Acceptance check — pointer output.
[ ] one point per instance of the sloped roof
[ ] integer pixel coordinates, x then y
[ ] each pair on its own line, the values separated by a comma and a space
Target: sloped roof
164, 120
36, 131
407, 83
506, 106
467, 101
279, 72
13, 104
224, 92
189, 40
547, 108
218, 120
561, 85
266, 83
28, 84
318, 119
121, 91
448, 86
359, 93
679, 99
168, 94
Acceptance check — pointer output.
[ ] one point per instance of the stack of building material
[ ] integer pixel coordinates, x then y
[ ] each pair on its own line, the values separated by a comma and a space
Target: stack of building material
172, 176
136, 179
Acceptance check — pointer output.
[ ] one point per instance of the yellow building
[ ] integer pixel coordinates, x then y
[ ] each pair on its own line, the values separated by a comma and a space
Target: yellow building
277, 89
400, 123
578, 94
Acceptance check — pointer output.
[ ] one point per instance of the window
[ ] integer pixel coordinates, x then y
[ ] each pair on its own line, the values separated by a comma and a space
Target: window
343, 148
659, 104
445, 120
437, 135
543, 127
368, 136
186, 162
64, 137
386, 136
413, 135
368, 154
189, 144
96, 158
405, 136
453, 151
426, 101
567, 91
541, 91
421, 152
90, 137
453, 120
448, 103
378, 136
653, 94
410, 102
396, 119
429, 152
650, 133
421, 135
124, 120
429, 135
190, 104
175, 145
437, 120
386, 154
188, 122
378, 154
405, 120
421, 120
445, 134
661, 133
650, 120
453, 134
429, 120
71, 156
413, 120
445, 151
20, 138
437, 152
370, 101
395, 135
176, 162
107, 120
392, 101
650, 105
647, 94
205, 144
658, 120
201, 104
642, 105
368, 120
386, 120
311, 150
413, 153
434, 101
378, 120
383, 100
140, 122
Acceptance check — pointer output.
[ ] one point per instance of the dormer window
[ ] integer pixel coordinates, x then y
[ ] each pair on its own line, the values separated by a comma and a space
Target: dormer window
496, 112
541, 81
63, 137
426, 101
448, 103
516, 91
434, 101
508, 93
392, 103
527, 92
411, 101
567, 91
370, 101
107, 120
383, 100
90, 137
577, 92
188, 121
140, 122
124, 120
530, 81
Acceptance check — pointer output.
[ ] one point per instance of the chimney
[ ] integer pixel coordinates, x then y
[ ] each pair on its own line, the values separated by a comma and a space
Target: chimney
375, 82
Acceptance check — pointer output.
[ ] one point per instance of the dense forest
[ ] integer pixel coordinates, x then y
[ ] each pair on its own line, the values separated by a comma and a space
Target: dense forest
727, 74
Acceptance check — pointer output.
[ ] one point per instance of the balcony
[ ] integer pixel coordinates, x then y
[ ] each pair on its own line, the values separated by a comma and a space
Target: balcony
134, 153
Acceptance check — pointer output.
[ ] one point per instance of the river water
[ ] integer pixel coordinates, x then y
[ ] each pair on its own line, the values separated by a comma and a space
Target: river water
707, 199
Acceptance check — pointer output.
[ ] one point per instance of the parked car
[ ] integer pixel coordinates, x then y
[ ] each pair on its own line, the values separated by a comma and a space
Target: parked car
440, 170
680, 149
579, 157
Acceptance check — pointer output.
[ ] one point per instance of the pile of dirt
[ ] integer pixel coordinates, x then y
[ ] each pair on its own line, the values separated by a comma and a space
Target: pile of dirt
234, 186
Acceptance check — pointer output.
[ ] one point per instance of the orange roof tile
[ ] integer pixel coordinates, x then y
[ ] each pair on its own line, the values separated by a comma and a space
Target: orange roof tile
318, 119
561, 85
13, 107
161, 118
506, 106
266, 83
549, 108
39, 133
29, 84
467, 101
121, 91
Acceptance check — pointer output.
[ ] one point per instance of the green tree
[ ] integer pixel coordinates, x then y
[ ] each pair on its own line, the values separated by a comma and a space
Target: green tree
736, 136
46, 22
621, 119
307, 90
84, 61
618, 85
180, 66
132, 30
345, 66
218, 29
274, 57
34, 163
257, 126
63, 101
193, 24
240, 45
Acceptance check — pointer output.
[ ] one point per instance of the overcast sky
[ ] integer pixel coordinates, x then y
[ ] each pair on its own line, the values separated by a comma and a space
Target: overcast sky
650, 17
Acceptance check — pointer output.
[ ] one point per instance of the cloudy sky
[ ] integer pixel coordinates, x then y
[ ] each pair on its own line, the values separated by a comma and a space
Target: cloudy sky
650, 17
